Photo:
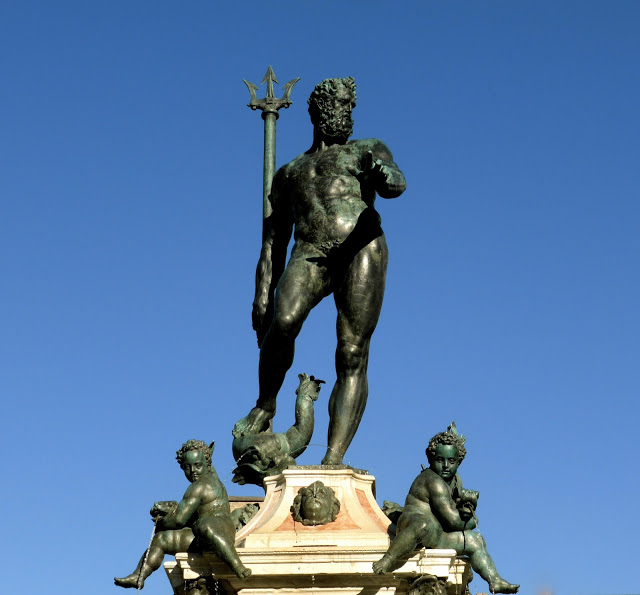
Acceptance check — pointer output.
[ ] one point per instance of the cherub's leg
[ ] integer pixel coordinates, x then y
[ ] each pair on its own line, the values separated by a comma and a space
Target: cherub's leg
404, 543
412, 530
217, 535
165, 542
474, 545
131, 581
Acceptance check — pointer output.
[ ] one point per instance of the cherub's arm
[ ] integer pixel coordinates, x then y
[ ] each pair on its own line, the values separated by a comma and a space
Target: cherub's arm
380, 171
273, 255
445, 510
184, 511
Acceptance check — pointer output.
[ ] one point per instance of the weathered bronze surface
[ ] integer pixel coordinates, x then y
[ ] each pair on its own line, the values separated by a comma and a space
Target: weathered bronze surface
205, 585
439, 513
326, 197
201, 521
242, 516
315, 505
266, 453
270, 105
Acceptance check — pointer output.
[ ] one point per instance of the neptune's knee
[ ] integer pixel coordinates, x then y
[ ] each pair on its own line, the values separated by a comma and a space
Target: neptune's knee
286, 324
350, 356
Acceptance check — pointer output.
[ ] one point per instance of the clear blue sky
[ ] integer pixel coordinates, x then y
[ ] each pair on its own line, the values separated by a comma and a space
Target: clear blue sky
130, 186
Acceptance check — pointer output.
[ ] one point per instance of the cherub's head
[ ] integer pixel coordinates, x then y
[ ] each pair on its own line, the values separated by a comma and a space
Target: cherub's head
194, 457
330, 107
445, 453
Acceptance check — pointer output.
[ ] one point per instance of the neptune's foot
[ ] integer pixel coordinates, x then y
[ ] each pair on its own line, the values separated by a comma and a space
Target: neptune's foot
332, 457
257, 421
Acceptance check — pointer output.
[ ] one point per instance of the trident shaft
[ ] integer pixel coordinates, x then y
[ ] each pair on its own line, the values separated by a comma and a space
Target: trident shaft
269, 105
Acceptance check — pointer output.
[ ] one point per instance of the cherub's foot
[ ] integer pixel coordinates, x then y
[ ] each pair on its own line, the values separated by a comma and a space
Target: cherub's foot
382, 565
332, 458
257, 421
242, 571
133, 581
501, 586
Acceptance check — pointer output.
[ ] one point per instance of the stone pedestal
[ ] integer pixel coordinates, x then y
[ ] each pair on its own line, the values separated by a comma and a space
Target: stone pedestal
329, 559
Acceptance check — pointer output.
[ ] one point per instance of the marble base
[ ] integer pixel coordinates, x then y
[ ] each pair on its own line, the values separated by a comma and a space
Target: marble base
331, 559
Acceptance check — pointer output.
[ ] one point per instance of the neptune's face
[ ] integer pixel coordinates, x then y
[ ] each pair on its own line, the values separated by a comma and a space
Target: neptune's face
336, 122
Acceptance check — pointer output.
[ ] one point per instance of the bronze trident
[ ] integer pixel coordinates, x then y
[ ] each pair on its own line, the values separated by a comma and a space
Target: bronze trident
269, 106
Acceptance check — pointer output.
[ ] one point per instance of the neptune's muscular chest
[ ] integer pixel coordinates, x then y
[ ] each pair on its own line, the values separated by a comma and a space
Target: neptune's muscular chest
324, 184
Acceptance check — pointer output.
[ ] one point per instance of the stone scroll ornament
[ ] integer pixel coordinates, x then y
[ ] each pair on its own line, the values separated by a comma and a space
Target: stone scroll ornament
440, 513
200, 522
265, 453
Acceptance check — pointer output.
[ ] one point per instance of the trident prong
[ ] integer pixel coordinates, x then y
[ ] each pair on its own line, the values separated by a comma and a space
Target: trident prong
287, 89
270, 78
269, 106
252, 89
270, 103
